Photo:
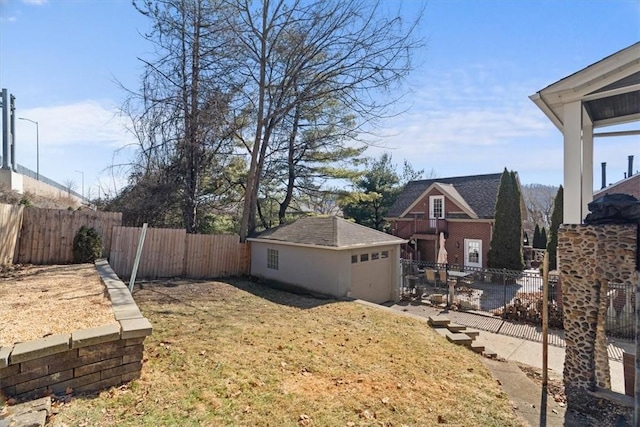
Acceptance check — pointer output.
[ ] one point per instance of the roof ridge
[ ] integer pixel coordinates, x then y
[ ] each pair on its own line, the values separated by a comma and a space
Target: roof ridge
456, 177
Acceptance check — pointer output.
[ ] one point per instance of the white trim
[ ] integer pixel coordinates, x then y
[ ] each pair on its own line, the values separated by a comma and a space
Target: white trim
466, 253
616, 120
474, 220
612, 92
432, 203
450, 192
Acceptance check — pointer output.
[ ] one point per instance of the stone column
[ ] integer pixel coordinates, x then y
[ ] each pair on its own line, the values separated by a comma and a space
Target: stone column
591, 259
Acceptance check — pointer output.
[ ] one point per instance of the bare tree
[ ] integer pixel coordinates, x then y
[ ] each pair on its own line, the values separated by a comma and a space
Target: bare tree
538, 199
299, 53
181, 113
70, 185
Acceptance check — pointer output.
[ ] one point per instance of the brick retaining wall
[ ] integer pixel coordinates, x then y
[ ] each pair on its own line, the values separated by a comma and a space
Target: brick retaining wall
85, 360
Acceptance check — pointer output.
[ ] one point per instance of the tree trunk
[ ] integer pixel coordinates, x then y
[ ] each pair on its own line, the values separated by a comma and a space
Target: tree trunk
247, 225
291, 176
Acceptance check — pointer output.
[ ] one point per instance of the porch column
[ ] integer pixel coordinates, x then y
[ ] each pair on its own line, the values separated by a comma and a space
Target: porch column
587, 164
571, 131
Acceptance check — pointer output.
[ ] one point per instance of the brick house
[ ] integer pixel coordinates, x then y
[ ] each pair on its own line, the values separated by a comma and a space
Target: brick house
463, 208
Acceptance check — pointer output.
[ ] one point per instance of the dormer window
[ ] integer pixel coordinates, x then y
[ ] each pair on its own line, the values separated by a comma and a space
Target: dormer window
436, 207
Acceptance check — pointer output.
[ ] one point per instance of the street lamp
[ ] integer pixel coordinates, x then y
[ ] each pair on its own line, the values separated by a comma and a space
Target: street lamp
82, 173
37, 145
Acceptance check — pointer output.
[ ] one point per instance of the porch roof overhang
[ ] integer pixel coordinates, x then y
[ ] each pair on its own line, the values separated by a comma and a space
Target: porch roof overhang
605, 93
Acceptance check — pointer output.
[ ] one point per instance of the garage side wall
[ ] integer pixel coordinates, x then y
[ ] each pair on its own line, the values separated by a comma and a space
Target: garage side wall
318, 270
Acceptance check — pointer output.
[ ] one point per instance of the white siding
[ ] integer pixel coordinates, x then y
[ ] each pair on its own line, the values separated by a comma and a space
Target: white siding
318, 270
331, 272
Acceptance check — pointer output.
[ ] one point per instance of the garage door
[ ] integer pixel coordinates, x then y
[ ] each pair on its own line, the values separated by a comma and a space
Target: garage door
371, 275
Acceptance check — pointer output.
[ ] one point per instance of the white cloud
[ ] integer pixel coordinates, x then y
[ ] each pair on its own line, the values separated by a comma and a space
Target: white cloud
83, 136
86, 122
35, 2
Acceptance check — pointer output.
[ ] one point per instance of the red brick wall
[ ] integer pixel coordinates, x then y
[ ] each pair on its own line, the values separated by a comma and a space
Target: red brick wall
423, 204
81, 369
630, 186
458, 231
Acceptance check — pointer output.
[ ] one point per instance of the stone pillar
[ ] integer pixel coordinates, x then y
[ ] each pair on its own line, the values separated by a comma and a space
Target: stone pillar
591, 258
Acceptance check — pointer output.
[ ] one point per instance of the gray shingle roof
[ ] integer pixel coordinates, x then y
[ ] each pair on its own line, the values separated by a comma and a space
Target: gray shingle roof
480, 192
328, 231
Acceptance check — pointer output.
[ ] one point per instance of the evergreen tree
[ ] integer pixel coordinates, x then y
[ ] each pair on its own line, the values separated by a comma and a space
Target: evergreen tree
506, 244
536, 237
543, 238
556, 220
376, 191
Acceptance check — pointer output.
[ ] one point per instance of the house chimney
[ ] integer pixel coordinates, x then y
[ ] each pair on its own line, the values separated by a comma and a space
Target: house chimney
604, 175
630, 170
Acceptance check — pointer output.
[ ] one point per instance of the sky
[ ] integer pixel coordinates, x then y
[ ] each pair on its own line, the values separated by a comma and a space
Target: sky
465, 110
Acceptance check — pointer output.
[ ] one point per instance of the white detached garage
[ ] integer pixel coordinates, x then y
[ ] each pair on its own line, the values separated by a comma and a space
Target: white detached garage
331, 256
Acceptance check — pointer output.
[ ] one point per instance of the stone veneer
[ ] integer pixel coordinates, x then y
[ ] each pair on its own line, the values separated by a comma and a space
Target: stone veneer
591, 257
85, 360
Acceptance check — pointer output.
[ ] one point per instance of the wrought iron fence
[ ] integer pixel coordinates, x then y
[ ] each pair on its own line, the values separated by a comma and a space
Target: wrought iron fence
512, 295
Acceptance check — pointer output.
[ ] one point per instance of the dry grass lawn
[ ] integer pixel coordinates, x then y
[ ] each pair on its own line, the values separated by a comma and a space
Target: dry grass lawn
41, 300
241, 354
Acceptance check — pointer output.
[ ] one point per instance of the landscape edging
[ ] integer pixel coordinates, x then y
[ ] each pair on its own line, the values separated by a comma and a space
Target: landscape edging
84, 360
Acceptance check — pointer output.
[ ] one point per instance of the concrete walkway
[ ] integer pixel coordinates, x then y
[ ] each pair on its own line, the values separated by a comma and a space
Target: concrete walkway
517, 344
521, 343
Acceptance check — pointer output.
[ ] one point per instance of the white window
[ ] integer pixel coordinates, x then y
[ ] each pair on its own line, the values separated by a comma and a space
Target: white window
384, 254
436, 207
374, 256
272, 259
472, 253
354, 259
364, 257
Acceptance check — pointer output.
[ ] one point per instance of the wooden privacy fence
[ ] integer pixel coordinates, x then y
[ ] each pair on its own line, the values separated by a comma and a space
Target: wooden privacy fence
10, 222
47, 235
174, 253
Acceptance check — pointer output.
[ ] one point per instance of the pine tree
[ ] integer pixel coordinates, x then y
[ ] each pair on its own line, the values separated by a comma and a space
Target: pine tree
556, 220
543, 238
506, 244
536, 237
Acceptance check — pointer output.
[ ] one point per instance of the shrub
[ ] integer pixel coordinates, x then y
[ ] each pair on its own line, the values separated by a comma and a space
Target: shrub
87, 245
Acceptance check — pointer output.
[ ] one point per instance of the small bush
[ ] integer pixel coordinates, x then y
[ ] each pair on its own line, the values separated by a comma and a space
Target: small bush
87, 245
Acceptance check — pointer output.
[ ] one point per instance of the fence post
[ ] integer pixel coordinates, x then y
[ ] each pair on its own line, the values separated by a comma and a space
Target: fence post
504, 290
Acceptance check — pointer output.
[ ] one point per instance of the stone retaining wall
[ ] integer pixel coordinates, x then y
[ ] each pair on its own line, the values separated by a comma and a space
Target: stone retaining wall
85, 360
590, 259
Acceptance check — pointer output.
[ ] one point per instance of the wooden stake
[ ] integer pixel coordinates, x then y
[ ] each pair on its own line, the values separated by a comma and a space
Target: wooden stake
132, 281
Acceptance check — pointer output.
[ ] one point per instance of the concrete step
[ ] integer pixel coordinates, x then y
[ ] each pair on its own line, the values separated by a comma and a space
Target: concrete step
490, 354
472, 334
32, 414
455, 328
477, 348
459, 338
442, 331
438, 321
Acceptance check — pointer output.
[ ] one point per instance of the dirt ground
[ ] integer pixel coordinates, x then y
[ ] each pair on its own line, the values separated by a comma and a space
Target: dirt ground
41, 300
